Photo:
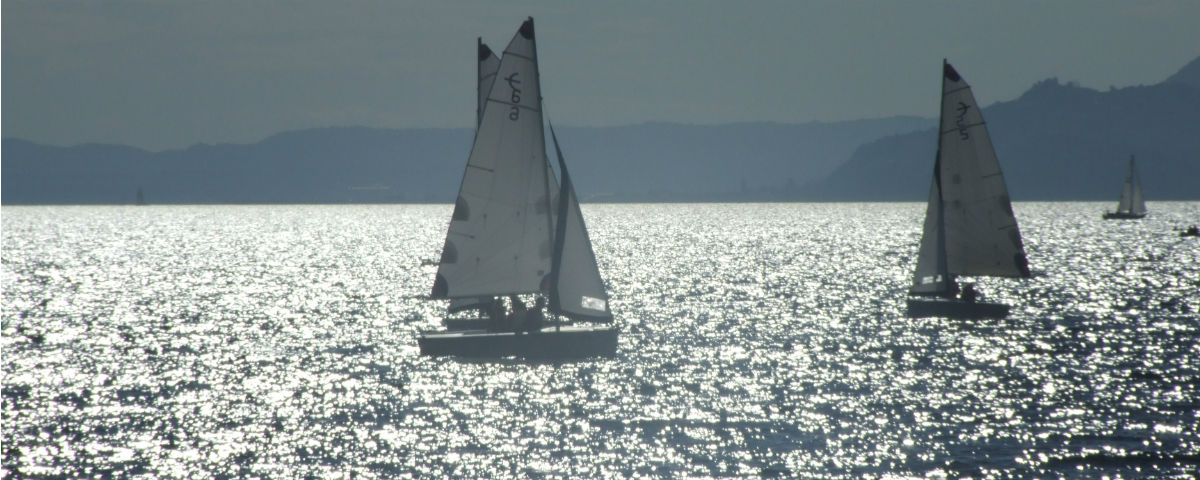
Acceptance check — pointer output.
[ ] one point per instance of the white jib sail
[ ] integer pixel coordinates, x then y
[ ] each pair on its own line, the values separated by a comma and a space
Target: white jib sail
930, 276
981, 234
577, 290
499, 238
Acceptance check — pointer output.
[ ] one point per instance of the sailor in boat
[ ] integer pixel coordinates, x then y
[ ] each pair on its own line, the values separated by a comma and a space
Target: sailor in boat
516, 320
534, 319
952, 289
968, 293
495, 315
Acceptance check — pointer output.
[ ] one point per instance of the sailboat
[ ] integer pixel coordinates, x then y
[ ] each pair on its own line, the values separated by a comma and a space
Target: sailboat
515, 230
969, 225
1132, 205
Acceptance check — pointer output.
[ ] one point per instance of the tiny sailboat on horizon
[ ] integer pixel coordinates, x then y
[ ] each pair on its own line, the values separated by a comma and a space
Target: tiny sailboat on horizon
1132, 205
969, 228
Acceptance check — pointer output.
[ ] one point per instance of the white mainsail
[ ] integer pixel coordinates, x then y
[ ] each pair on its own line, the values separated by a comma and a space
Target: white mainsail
1131, 193
576, 289
975, 224
500, 235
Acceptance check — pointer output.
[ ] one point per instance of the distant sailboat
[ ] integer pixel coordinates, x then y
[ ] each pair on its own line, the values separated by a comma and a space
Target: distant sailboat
141, 198
509, 235
969, 226
1132, 205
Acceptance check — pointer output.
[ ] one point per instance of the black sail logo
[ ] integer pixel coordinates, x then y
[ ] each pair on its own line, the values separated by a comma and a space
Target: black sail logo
961, 120
514, 111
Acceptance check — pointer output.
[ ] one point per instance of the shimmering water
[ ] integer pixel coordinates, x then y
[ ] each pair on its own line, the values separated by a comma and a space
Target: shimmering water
757, 340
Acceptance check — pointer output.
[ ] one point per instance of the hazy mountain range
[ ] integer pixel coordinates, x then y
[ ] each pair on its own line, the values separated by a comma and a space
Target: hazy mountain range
1055, 142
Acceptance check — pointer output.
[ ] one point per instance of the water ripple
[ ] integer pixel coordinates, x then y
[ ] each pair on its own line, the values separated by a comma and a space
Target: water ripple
757, 340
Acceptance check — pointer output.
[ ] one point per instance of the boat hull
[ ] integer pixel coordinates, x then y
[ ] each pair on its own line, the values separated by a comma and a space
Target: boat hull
954, 308
465, 323
550, 343
1122, 216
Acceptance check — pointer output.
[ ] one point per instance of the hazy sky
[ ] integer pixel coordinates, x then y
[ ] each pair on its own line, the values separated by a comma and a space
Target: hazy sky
165, 74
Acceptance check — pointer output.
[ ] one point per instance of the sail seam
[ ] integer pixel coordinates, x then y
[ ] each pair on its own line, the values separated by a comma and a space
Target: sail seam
481, 168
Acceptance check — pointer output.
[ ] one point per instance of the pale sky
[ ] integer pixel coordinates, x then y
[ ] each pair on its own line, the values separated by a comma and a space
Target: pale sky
169, 74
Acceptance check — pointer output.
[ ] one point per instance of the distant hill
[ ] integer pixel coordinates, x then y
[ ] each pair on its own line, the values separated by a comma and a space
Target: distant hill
1188, 75
1056, 142
333, 165
649, 162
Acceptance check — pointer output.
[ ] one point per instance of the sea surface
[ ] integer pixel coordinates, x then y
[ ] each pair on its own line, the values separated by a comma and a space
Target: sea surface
757, 340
